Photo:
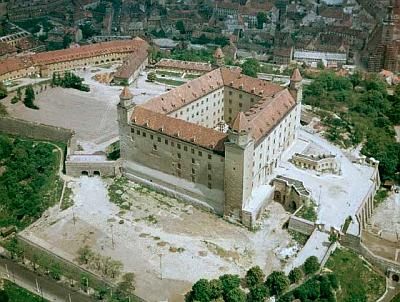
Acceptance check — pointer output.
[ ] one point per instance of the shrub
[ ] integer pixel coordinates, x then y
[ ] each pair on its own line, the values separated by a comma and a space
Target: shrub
254, 276
311, 265
277, 283
295, 275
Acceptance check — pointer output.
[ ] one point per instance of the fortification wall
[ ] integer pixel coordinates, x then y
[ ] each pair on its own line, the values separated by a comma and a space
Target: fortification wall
34, 130
301, 225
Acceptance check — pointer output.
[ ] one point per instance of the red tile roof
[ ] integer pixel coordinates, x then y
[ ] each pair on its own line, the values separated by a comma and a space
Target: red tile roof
179, 129
70, 54
274, 102
184, 65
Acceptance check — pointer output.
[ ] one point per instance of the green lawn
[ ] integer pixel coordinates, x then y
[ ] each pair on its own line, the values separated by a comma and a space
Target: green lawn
169, 73
358, 281
396, 299
29, 181
307, 212
19, 294
169, 82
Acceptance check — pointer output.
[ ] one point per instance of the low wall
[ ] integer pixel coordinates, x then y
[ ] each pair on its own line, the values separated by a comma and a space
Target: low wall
354, 243
104, 168
301, 225
13, 126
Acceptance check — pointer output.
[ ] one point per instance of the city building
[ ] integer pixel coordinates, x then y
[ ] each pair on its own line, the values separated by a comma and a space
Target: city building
382, 48
212, 141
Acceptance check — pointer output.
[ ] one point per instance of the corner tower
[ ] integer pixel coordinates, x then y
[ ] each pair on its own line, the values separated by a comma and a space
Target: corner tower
238, 166
124, 109
219, 57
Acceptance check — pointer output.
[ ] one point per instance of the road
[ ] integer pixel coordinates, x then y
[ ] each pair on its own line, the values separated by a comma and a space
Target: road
49, 289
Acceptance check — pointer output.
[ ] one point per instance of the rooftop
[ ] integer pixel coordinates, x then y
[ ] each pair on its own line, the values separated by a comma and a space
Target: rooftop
273, 103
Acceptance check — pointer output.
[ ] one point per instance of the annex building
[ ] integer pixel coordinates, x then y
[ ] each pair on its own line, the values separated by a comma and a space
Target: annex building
132, 54
212, 141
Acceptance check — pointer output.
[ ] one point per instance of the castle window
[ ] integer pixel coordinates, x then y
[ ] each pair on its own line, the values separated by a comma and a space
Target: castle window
209, 156
138, 132
209, 185
193, 171
179, 165
252, 100
200, 153
166, 142
181, 113
240, 95
144, 134
209, 176
176, 114
154, 147
132, 130
240, 105
209, 167
230, 93
193, 161
179, 155
151, 136
178, 145
159, 139
192, 151
172, 144
185, 148
187, 109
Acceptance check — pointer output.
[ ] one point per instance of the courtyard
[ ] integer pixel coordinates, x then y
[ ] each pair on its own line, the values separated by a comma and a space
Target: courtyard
166, 243
92, 115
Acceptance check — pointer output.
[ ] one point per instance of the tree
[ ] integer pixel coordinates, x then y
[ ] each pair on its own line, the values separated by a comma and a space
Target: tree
254, 276
277, 283
229, 282
3, 91
257, 293
30, 97
251, 67
4, 296
261, 19
127, 284
311, 265
216, 289
295, 275
201, 291
151, 76
235, 295
180, 26
84, 255
356, 79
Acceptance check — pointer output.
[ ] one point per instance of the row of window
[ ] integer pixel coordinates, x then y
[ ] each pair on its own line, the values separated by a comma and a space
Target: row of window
166, 142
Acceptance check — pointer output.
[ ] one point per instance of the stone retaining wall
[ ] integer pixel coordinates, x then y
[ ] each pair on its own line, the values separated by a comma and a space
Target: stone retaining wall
13, 126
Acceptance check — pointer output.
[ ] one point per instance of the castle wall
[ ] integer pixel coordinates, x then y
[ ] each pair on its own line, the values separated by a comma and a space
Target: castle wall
268, 152
236, 101
206, 111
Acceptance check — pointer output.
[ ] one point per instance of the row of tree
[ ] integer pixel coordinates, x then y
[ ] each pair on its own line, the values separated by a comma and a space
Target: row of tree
69, 80
230, 288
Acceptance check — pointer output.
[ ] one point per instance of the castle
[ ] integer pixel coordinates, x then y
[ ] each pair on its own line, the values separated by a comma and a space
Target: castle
212, 141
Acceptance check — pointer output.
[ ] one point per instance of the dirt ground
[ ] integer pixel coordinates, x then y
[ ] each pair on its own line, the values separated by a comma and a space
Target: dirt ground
387, 215
157, 236
93, 115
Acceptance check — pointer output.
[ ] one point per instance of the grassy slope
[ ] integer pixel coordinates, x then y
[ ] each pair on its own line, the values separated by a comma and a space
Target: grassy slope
356, 277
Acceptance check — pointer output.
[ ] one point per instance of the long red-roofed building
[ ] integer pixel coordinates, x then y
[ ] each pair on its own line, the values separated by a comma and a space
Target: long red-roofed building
46, 63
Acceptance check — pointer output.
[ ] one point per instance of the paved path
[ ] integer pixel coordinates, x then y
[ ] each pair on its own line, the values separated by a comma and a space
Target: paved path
49, 289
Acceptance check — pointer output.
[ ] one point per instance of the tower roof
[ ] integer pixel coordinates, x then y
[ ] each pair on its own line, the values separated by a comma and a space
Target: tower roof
218, 54
126, 94
296, 76
240, 123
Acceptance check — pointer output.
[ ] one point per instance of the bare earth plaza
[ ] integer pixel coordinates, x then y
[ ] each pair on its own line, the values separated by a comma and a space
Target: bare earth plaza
215, 175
